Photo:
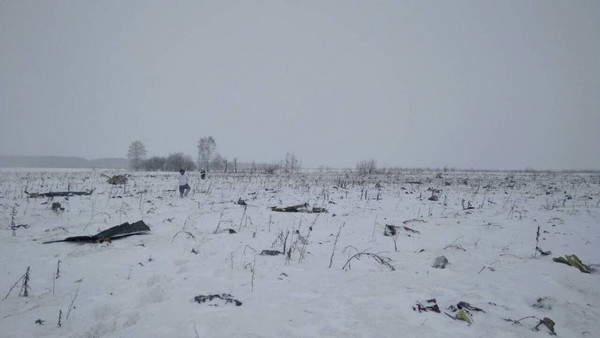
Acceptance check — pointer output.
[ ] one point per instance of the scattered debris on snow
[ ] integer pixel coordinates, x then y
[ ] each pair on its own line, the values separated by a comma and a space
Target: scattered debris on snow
574, 261
300, 208
124, 230
544, 303
440, 262
270, 253
431, 306
59, 193
549, 323
217, 300
116, 179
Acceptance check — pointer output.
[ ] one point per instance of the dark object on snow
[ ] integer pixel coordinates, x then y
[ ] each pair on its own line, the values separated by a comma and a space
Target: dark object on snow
203, 174
462, 312
228, 230
241, 202
210, 298
317, 210
56, 207
544, 303
293, 208
440, 262
59, 194
542, 252
463, 315
271, 253
108, 235
300, 208
410, 230
549, 323
574, 261
390, 230
414, 220
425, 308
15, 227
116, 179
468, 207
464, 305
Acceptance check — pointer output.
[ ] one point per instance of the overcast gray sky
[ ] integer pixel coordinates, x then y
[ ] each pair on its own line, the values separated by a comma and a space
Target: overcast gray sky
466, 84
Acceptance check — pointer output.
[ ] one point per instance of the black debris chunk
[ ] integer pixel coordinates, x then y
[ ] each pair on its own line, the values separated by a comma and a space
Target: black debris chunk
431, 305
120, 231
440, 262
214, 300
271, 253
58, 193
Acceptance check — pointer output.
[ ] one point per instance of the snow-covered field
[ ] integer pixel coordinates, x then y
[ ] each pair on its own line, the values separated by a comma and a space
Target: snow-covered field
145, 285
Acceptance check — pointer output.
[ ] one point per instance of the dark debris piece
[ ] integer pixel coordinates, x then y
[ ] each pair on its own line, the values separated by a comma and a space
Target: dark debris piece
271, 253
293, 208
56, 206
432, 306
116, 179
574, 261
542, 252
465, 305
440, 262
317, 210
462, 311
120, 231
227, 298
549, 323
390, 230
59, 193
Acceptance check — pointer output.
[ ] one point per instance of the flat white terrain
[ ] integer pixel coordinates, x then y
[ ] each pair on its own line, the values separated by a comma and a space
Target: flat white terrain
484, 223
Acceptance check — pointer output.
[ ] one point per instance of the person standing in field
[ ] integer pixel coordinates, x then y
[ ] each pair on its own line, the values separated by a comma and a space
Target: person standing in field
184, 187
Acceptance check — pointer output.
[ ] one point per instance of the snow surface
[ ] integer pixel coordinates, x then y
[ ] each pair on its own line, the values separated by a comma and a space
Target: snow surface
144, 286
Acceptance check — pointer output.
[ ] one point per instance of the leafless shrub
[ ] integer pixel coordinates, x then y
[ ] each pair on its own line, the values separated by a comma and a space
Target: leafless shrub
243, 215
537, 245
190, 235
252, 268
24, 286
71, 306
335, 243
366, 167
281, 239
455, 246
385, 261
392, 232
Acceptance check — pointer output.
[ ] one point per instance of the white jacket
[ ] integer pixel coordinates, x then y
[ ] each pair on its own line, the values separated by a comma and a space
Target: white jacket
183, 179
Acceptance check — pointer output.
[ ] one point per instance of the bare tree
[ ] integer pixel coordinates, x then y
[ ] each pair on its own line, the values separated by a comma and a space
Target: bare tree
219, 163
206, 147
155, 163
366, 167
291, 162
136, 155
178, 161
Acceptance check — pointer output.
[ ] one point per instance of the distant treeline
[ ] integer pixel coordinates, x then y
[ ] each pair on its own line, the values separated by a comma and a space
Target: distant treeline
62, 162
177, 161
